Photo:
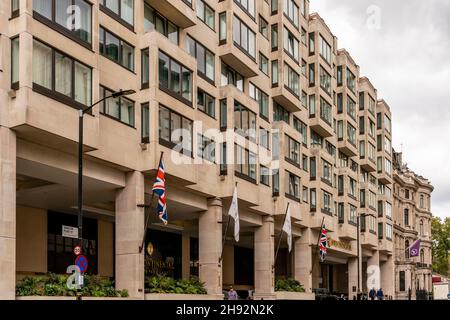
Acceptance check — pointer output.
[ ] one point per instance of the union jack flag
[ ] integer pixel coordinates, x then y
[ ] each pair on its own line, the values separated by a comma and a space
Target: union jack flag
323, 244
159, 187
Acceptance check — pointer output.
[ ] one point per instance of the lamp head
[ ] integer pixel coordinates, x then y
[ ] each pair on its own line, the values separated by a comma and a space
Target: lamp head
122, 93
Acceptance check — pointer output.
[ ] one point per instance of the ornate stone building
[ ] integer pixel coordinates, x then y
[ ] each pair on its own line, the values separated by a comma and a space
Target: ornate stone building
412, 221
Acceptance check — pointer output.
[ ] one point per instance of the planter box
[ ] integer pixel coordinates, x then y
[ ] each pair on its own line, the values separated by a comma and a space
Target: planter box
283, 295
166, 296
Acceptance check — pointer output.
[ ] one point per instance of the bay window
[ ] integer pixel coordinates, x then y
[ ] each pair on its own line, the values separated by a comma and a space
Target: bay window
175, 78
325, 111
121, 9
325, 80
292, 186
206, 148
291, 80
248, 6
292, 151
327, 200
206, 103
325, 50
205, 13
244, 121
205, 58
291, 45
351, 134
231, 76
153, 20
121, 109
58, 14
262, 99
245, 163
15, 63
244, 38
61, 77
116, 49
175, 131
291, 11
351, 81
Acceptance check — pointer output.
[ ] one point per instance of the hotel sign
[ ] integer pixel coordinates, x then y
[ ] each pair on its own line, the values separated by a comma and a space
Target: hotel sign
344, 245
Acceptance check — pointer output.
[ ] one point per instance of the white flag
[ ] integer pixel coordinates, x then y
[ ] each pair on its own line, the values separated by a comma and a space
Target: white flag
234, 213
287, 227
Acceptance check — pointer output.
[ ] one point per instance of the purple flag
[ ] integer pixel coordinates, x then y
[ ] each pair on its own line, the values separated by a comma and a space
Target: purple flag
414, 249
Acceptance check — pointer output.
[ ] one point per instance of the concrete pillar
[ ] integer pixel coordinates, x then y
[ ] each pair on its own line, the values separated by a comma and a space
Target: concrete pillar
303, 264
185, 256
7, 214
352, 278
264, 260
387, 270
210, 247
129, 234
373, 272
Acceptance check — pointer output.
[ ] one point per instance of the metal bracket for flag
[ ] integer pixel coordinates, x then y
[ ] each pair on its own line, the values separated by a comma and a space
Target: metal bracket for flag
145, 206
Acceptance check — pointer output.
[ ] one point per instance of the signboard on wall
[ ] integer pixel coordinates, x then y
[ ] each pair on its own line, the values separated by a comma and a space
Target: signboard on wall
69, 232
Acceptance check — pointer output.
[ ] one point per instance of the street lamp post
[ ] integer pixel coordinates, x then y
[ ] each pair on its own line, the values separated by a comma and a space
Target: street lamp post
82, 112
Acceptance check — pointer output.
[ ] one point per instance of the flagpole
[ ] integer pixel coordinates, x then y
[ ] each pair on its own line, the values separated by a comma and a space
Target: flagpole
318, 240
147, 219
279, 238
225, 234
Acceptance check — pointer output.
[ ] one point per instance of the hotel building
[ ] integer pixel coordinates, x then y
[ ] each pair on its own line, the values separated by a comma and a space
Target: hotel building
265, 100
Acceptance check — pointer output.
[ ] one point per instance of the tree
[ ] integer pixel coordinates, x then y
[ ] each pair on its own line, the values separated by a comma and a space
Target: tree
440, 233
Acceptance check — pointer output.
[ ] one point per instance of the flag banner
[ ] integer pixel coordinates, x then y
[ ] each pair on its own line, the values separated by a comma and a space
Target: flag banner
233, 212
287, 227
159, 188
415, 249
323, 243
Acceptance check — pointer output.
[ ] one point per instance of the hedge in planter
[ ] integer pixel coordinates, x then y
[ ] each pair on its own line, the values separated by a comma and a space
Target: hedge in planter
161, 284
53, 285
288, 285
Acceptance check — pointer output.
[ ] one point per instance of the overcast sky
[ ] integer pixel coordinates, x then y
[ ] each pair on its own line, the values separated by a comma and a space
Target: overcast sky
403, 47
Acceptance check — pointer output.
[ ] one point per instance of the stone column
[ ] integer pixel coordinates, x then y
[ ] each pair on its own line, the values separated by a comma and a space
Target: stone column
7, 214
129, 234
373, 272
264, 260
352, 278
210, 247
387, 270
303, 263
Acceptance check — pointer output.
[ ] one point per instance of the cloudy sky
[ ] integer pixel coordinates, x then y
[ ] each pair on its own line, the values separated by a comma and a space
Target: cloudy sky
403, 47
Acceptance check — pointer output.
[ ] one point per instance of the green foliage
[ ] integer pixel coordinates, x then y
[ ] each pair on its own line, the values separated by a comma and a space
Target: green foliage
288, 285
440, 232
162, 284
56, 285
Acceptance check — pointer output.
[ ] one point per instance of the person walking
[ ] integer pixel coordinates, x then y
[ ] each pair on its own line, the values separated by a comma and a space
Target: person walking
232, 294
380, 294
372, 294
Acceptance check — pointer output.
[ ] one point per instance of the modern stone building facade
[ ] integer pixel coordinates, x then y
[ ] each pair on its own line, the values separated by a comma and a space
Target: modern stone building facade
412, 217
266, 100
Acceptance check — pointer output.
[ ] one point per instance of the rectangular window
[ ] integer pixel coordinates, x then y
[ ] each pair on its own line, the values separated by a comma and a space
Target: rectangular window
402, 281
351, 134
205, 13
291, 80
15, 63
388, 231
205, 58
244, 121
231, 76
206, 103
58, 13
116, 49
223, 115
291, 11
280, 114
262, 99
313, 200
312, 44
274, 73
145, 123
263, 64
264, 138
175, 78
121, 108
292, 186
291, 45
153, 20
325, 80
325, 50
387, 123
264, 176
327, 172
61, 77
244, 38
122, 9
248, 6
326, 111
327, 200
292, 151
351, 81
145, 61
302, 128
175, 131
351, 108
276, 183
206, 148
245, 163
274, 37
15, 8
263, 27
353, 217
